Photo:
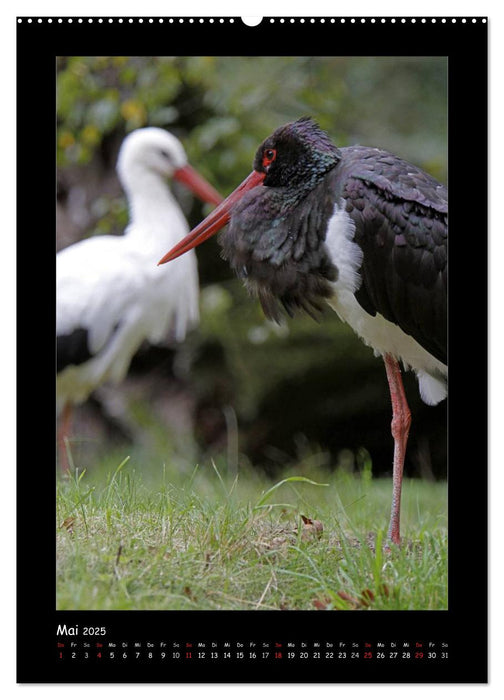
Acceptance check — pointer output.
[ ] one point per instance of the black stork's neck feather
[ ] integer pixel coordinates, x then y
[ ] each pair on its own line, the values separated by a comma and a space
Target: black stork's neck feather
275, 240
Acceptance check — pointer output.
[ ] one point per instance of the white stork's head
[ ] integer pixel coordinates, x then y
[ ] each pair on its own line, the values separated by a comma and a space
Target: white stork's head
150, 149
154, 151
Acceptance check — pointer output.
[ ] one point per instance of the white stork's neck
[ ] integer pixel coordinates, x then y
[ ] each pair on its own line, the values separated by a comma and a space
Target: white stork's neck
152, 207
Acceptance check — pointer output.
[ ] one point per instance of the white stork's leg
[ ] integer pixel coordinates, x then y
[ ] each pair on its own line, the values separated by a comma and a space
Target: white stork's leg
401, 421
63, 433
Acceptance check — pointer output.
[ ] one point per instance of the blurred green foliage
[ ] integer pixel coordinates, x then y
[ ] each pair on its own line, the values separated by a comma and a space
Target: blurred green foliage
222, 108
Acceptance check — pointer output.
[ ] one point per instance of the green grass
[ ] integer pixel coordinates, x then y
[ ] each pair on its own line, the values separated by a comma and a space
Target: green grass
155, 540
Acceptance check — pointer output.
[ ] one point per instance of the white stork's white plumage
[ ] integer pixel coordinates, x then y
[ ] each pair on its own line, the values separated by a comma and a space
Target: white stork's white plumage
110, 295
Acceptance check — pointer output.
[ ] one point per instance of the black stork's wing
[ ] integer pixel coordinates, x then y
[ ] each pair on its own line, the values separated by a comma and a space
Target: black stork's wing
400, 214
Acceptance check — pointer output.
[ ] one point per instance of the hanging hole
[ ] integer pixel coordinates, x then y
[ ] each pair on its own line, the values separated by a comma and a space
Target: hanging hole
251, 21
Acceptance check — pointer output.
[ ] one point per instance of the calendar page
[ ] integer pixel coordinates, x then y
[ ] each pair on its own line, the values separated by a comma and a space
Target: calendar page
250, 466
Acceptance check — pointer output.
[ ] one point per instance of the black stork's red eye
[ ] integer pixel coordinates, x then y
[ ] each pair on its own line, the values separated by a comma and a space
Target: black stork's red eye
269, 155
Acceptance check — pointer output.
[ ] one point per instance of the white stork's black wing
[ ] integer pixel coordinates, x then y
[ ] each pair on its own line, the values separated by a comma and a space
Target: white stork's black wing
400, 214
72, 348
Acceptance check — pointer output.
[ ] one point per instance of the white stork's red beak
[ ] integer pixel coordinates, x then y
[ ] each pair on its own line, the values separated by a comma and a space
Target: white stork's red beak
197, 184
214, 221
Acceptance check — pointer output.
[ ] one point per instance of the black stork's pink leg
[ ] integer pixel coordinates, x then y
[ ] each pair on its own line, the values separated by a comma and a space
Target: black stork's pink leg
401, 421
63, 433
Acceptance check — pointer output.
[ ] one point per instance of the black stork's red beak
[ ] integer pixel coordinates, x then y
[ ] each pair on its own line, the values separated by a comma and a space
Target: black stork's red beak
197, 184
214, 221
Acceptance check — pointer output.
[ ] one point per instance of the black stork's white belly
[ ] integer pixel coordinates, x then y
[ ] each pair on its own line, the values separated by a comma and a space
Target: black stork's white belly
376, 331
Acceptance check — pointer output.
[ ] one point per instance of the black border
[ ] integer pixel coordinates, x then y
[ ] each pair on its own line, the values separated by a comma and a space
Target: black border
464, 626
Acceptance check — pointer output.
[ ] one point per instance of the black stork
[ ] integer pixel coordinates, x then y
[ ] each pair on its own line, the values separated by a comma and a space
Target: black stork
109, 298
358, 228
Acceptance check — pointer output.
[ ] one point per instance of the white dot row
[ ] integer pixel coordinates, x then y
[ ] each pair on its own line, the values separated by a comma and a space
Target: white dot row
120, 20
291, 20
383, 20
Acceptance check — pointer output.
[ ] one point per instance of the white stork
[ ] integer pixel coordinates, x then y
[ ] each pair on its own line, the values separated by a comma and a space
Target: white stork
110, 294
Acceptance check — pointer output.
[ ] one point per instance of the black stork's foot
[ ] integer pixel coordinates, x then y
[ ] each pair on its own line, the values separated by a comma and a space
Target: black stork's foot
393, 540
393, 533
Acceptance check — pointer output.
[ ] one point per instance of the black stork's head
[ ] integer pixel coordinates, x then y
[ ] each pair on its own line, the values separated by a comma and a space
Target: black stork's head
278, 218
296, 156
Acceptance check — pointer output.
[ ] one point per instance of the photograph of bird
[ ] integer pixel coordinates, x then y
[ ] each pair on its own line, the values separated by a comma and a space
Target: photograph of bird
110, 297
357, 228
